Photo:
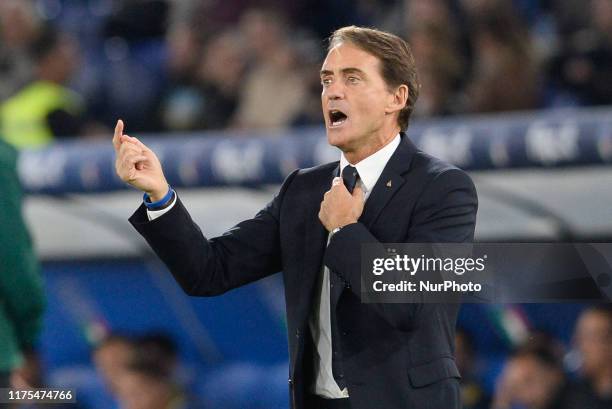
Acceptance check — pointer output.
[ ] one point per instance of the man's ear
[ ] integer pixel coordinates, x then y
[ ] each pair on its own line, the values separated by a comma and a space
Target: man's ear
398, 100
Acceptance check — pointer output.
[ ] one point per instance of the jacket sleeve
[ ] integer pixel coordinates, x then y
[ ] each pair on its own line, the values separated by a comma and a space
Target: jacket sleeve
206, 267
445, 213
21, 286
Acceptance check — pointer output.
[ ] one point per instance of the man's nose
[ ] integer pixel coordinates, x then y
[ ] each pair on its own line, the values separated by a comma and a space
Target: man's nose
335, 90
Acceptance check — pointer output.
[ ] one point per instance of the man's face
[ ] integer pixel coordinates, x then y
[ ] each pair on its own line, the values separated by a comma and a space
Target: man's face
594, 340
111, 359
354, 98
530, 383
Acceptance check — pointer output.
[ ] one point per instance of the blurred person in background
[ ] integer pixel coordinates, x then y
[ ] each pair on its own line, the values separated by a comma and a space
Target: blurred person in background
148, 387
504, 74
209, 100
309, 54
324, 16
184, 47
159, 348
532, 378
135, 20
426, 12
45, 108
19, 27
584, 63
273, 93
473, 395
569, 16
179, 102
137, 60
21, 287
147, 381
221, 73
111, 358
593, 338
440, 67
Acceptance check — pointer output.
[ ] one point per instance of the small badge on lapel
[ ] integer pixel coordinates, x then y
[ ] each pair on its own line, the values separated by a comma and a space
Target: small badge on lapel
389, 183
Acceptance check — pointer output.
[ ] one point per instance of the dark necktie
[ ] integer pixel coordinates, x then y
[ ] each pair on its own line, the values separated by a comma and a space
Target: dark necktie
350, 176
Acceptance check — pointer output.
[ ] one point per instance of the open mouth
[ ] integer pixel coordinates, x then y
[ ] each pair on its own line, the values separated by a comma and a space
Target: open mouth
337, 118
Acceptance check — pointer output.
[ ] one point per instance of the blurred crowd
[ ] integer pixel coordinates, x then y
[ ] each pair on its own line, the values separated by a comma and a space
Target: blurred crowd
146, 371
541, 374
73, 68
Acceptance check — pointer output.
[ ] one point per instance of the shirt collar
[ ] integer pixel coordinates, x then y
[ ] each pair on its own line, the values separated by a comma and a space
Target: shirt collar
370, 168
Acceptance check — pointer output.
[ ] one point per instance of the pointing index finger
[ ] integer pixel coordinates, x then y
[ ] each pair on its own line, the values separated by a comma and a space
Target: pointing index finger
118, 133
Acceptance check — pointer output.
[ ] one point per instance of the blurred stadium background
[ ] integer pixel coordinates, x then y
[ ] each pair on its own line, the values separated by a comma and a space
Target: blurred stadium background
226, 92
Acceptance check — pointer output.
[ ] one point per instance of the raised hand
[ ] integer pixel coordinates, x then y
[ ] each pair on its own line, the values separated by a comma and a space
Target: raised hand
138, 165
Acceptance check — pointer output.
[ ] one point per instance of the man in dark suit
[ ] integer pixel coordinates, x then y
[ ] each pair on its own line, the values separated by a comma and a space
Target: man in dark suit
343, 354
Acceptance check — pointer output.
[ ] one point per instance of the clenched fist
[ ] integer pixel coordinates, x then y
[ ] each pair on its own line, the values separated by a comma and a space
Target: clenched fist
340, 207
138, 165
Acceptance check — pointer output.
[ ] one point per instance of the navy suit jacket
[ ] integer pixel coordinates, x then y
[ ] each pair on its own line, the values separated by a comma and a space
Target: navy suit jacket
389, 355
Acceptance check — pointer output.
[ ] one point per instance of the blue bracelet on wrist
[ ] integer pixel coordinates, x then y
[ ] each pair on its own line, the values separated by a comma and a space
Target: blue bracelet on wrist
161, 203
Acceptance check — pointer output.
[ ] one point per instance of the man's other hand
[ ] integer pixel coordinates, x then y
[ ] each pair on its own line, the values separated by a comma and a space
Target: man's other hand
138, 165
339, 207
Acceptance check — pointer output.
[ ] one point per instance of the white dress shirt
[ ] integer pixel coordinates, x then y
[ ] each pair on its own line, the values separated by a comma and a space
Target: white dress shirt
325, 385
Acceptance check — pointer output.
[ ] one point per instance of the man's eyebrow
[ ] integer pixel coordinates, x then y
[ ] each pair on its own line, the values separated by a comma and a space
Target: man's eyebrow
348, 70
352, 70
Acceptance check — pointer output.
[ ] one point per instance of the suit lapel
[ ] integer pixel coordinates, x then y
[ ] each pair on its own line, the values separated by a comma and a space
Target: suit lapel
386, 186
389, 182
315, 240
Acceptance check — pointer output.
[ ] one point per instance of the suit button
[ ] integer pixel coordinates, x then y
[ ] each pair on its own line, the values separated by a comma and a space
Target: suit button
345, 333
331, 285
297, 333
290, 381
341, 376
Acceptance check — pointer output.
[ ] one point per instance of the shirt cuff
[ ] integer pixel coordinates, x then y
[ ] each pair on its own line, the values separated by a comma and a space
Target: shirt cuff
154, 214
161, 207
